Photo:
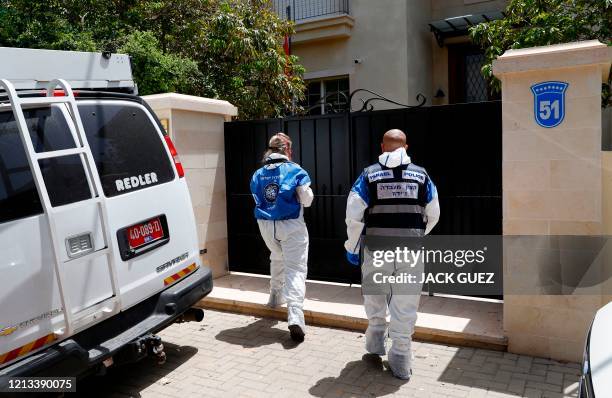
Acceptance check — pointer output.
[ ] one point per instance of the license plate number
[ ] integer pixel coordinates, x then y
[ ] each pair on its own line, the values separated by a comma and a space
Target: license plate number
144, 233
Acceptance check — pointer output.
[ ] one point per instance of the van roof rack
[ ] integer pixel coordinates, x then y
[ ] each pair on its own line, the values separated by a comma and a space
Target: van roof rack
34, 69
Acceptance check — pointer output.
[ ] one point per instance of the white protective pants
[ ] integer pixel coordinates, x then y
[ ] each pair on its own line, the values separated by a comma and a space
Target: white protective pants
403, 314
287, 241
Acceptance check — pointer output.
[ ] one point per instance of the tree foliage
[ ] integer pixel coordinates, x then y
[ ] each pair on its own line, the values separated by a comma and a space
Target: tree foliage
227, 49
159, 72
239, 35
530, 23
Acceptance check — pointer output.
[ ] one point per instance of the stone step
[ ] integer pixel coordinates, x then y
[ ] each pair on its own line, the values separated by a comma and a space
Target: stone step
450, 320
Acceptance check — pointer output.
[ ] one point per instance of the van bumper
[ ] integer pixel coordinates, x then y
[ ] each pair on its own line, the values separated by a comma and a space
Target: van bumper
86, 350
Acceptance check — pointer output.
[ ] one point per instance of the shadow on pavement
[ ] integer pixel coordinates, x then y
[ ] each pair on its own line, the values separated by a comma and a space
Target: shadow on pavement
501, 372
257, 334
128, 381
368, 376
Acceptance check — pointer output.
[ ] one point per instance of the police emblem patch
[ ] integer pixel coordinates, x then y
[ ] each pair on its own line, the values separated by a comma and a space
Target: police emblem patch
271, 192
549, 103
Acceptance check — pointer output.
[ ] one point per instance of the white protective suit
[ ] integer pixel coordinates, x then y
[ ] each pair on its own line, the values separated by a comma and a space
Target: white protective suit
401, 308
287, 241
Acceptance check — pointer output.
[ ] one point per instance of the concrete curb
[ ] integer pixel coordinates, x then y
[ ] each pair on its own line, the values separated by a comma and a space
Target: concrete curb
354, 323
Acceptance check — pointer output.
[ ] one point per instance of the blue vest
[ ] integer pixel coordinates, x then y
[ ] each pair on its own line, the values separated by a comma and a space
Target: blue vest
274, 190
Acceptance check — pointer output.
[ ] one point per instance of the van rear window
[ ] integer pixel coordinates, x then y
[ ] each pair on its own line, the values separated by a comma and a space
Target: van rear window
18, 195
128, 151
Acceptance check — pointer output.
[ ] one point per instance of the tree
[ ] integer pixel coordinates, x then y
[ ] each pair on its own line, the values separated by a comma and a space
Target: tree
227, 49
530, 23
156, 71
242, 54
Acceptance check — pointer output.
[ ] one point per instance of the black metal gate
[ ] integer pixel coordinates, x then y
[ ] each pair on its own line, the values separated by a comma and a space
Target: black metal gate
459, 145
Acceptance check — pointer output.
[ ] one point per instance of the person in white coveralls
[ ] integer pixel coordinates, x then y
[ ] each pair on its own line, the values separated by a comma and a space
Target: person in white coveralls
393, 197
281, 189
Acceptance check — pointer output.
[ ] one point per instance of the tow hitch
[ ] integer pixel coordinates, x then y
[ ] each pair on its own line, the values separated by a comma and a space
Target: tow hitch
156, 348
148, 344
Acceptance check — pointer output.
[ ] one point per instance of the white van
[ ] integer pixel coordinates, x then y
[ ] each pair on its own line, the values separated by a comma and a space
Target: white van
98, 243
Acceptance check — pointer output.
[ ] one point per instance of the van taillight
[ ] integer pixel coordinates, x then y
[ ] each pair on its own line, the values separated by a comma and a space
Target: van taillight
175, 157
58, 93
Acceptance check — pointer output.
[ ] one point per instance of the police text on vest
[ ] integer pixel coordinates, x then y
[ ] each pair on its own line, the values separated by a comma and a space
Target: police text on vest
380, 175
413, 175
397, 190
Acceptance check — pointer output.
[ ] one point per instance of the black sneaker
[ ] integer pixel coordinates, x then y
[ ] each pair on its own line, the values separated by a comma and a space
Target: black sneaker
296, 332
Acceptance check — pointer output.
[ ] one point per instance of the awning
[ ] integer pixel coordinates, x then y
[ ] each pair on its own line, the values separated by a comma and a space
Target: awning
458, 26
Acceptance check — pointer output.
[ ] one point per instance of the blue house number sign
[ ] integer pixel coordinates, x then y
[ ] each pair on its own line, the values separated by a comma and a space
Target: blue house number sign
549, 103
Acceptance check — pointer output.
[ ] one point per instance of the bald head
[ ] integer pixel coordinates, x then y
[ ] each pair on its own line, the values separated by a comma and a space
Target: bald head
393, 139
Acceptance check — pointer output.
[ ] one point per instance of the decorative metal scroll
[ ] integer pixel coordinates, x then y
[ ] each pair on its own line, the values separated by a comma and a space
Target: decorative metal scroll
333, 106
346, 104
367, 104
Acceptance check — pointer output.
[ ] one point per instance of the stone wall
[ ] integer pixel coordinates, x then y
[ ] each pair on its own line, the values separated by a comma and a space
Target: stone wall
196, 127
552, 185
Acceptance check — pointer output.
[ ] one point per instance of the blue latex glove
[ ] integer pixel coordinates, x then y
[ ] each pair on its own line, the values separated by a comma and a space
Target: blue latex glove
353, 258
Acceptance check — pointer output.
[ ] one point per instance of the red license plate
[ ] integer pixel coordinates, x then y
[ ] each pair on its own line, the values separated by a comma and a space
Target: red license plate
144, 233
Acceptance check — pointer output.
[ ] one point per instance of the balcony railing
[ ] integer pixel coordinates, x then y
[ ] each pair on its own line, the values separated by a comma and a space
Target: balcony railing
300, 10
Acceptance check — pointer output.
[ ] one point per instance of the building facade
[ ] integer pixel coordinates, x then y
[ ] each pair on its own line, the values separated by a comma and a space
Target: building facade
397, 48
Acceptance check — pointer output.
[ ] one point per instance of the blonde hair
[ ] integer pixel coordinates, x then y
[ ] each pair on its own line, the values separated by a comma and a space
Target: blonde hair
279, 143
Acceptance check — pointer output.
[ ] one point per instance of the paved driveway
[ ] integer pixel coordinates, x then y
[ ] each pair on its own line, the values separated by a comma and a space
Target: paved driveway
230, 355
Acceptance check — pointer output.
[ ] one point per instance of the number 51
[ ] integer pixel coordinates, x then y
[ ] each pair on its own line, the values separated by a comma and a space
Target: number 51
546, 108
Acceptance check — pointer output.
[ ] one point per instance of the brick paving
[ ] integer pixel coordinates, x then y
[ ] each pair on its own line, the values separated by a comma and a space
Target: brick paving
231, 355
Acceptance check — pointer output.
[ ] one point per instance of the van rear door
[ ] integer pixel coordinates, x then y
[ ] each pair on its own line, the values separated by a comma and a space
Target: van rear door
149, 207
30, 309
64, 254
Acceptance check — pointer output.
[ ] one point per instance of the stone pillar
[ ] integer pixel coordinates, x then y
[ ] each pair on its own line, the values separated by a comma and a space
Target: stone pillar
196, 127
552, 182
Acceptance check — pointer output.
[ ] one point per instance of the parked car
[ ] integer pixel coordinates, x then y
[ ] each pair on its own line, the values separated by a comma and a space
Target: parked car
98, 241
596, 378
